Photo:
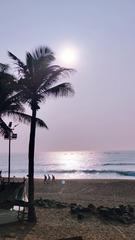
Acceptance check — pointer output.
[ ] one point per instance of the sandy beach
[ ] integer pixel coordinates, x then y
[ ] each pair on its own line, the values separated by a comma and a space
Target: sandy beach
59, 223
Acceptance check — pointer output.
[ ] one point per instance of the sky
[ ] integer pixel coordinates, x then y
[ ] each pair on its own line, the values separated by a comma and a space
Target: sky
101, 115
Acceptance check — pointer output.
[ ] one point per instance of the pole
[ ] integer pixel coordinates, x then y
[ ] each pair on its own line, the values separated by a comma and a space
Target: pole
9, 157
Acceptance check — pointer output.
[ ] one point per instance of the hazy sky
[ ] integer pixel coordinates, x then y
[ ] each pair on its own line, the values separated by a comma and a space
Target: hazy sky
101, 115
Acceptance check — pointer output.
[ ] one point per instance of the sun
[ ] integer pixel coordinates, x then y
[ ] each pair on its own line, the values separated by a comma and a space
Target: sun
68, 56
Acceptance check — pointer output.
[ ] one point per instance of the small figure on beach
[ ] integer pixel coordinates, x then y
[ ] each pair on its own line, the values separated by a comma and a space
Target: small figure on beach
49, 178
53, 178
45, 178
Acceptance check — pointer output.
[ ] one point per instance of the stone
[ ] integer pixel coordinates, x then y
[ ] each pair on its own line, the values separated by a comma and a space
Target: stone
80, 216
92, 208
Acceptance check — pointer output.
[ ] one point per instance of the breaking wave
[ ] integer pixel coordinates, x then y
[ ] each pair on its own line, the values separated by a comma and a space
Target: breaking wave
124, 173
118, 164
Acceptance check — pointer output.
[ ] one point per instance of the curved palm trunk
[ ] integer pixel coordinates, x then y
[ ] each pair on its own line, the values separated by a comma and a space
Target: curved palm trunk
31, 209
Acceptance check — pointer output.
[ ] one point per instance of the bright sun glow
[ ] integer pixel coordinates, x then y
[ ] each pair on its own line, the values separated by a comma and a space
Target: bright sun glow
70, 160
68, 56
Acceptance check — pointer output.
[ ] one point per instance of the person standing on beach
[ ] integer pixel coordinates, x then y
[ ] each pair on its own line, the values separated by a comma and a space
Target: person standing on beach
53, 178
49, 178
45, 179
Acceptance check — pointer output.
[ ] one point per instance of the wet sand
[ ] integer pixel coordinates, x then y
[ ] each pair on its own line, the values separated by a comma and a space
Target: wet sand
58, 223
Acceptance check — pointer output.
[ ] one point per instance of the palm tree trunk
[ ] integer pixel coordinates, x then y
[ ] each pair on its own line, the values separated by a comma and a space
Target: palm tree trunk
31, 209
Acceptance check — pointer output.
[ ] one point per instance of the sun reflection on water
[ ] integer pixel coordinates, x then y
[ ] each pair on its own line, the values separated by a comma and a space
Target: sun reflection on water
70, 164
70, 160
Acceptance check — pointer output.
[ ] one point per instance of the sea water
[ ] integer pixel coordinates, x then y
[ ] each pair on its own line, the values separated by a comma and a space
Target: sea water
74, 164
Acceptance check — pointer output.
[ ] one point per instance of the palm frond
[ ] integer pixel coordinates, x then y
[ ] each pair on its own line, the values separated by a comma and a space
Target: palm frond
39, 77
8, 83
53, 74
4, 129
37, 64
25, 118
4, 67
10, 104
43, 53
19, 116
22, 68
41, 123
61, 90
17, 60
30, 63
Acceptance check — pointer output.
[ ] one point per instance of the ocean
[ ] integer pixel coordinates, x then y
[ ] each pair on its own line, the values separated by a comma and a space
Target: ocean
74, 164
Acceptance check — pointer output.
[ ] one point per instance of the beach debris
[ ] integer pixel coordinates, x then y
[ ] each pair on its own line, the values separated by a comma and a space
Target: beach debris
123, 213
47, 203
92, 208
78, 209
72, 238
80, 216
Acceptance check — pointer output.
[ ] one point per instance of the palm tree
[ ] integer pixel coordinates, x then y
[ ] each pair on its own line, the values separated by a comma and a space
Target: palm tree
38, 79
10, 104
